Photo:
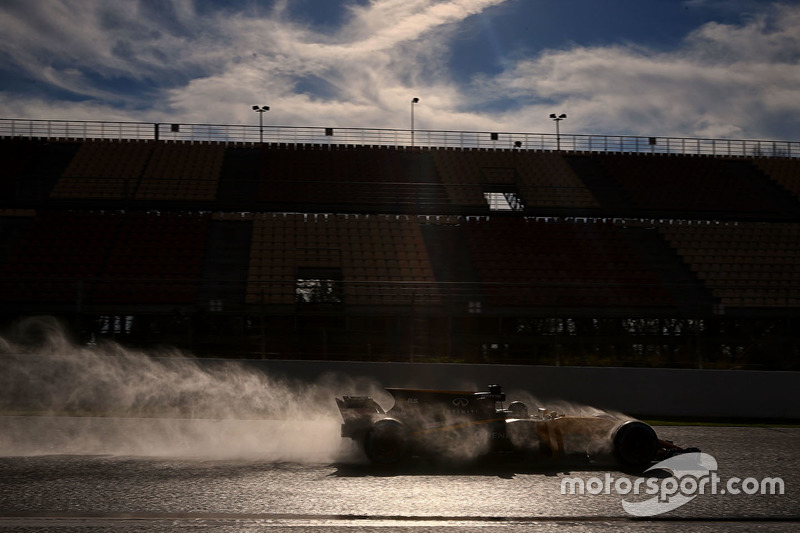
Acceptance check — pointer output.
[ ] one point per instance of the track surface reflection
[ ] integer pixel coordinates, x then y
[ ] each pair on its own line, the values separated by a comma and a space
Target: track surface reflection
154, 493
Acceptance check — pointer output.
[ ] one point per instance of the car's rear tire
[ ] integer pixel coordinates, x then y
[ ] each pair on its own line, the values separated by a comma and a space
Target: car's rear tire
386, 442
635, 444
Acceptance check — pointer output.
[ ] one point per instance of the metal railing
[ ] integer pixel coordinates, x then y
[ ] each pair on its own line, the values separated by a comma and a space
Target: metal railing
70, 129
492, 297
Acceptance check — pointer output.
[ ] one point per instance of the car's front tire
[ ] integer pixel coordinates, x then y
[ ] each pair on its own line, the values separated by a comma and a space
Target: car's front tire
635, 444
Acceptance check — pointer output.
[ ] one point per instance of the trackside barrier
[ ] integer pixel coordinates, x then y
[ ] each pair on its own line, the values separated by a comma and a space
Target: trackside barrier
651, 392
424, 139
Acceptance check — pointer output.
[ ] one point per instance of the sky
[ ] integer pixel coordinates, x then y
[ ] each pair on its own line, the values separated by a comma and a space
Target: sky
683, 68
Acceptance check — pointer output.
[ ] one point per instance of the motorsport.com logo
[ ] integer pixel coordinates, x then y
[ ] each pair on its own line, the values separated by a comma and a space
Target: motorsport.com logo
693, 474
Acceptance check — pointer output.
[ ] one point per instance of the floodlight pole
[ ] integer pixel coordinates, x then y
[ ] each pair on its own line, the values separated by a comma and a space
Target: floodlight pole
413, 101
261, 110
558, 119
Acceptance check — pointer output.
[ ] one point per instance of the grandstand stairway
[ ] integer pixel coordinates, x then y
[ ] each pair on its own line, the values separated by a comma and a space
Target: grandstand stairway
452, 265
238, 183
684, 287
785, 205
429, 193
448, 253
607, 191
225, 265
44, 165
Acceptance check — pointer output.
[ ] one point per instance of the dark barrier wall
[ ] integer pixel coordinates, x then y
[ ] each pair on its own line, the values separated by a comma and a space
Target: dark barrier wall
647, 392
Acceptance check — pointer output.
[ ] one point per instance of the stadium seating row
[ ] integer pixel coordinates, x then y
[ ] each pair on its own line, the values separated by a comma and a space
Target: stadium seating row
142, 171
266, 177
351, 248
689, 184
543, 179
592, 262
155, 257
107, 258
745, 264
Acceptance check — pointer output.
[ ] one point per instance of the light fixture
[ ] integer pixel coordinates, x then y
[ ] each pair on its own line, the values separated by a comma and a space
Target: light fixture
413, 101
558, 119
261, 110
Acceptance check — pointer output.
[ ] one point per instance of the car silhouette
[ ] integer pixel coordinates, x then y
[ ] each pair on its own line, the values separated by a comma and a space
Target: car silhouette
465, 425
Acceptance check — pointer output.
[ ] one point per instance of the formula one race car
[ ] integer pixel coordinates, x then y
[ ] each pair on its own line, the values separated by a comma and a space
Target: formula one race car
467, 425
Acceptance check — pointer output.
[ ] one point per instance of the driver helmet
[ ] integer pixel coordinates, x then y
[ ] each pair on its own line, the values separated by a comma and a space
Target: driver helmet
518, 409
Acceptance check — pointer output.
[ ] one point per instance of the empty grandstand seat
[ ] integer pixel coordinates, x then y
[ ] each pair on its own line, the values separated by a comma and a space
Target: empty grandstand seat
744, 264
543, 263
370, 252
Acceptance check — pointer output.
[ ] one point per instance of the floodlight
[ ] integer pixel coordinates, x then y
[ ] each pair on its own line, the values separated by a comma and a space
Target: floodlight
260, 110
558, 119
414, 100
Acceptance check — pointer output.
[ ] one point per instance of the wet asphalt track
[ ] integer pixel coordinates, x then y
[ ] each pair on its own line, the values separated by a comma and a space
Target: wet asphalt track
144, 493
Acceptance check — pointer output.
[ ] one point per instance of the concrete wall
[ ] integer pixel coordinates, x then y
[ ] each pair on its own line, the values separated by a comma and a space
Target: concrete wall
635, 391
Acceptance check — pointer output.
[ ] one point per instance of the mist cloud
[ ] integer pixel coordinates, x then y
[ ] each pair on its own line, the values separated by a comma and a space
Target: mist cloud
60, 397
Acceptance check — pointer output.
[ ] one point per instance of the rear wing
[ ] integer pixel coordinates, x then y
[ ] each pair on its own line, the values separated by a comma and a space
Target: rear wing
358, 412
410, 404
354, 407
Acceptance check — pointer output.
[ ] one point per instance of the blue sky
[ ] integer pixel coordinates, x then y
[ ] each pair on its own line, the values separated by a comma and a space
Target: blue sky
686, 68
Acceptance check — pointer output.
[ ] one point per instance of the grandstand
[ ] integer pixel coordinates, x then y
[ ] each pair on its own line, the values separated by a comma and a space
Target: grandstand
354, 244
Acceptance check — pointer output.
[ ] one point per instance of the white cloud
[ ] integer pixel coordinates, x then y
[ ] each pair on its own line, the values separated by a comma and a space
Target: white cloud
373, 65
725, 80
